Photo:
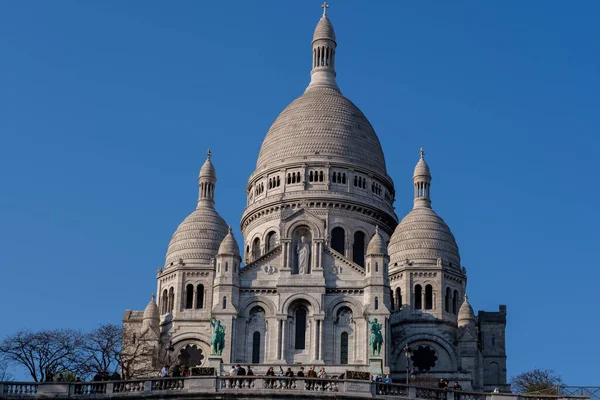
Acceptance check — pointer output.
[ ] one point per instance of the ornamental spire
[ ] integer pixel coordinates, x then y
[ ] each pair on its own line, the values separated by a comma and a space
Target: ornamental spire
207, 181
323, 54
422, 182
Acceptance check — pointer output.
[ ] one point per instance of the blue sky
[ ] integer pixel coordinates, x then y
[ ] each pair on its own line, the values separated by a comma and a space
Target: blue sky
107, 109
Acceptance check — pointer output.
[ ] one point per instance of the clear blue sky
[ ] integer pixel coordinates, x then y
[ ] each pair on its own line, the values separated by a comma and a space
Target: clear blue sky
107, 109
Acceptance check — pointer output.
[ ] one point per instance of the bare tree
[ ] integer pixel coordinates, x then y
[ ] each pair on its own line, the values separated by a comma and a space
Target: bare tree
139, 354
5, 376
101, 349
43, 353
537, 381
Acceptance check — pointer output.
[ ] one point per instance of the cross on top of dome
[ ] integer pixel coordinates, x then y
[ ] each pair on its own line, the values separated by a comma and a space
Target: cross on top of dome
208, 153
325, 6
422, 153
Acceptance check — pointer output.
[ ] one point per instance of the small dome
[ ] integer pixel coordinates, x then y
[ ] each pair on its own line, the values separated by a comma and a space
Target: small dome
376, 244
151, 311
208, 169
421, 169
466, 314
197, 238
423, 235
229, 245
324, 30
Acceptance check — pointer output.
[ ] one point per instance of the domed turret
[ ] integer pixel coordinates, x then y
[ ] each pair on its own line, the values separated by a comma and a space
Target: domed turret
466, 316
377, 244
151, 312
198, 237
422, 235
229, 245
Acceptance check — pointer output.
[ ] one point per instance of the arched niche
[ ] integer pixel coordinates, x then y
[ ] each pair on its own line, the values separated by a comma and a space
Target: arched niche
301, 250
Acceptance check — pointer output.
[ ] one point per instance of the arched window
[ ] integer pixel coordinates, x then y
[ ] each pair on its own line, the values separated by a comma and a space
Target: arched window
271, 240
224, 302
355, 180
344, 178
200, 296
300, 343
298, 176
256, 348
392, 299
171, 299
376, 266
428, 297
278, 181
418, 297
494, 373
189, 296
338, 239
455, 302
344, 348
447, 300
377, 303
256, 249
320, 176
310, 176
398, 298
289, 179
226, 266
164, 302
358, 249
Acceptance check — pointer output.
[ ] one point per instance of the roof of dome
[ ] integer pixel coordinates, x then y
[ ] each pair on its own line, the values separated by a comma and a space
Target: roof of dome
208, 169
324, 30
229, 245
151, 311
422, 169
197, 238
376, 244
423, 234
465, 313
322, 123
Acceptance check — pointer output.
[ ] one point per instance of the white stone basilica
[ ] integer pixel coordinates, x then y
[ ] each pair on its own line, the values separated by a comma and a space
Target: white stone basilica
323, 255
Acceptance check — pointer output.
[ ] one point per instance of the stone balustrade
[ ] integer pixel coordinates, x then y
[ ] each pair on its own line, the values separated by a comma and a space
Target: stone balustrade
266, 386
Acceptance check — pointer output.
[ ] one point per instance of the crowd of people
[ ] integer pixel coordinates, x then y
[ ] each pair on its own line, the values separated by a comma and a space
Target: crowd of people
238, 370
178, 371
444, 384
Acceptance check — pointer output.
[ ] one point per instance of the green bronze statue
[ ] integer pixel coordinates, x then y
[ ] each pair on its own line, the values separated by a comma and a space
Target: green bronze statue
376, 339
217, 340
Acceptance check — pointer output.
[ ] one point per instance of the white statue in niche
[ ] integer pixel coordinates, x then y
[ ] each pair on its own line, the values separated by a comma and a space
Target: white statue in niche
303, 251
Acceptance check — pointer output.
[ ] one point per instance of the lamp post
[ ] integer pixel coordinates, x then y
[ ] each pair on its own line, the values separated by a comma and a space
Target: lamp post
406, 354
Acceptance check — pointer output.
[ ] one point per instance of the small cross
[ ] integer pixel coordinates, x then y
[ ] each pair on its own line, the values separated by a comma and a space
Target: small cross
325, 6
422, 152
208, 153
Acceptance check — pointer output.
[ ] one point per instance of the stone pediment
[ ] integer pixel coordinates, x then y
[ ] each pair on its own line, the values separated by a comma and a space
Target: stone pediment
302, 216
264, 260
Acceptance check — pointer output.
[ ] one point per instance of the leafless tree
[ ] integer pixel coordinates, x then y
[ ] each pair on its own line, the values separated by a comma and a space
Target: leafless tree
43, 353
537, 381
5, 376
101, 349
139, 355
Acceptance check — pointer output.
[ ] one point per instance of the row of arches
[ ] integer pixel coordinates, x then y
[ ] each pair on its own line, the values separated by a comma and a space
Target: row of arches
396, 300
323, 56
451, 301
338, 177
260, 188
274, 182
194, 296
360, 182
294, 177
315, 176
376, 188
256, 252
207, 190
420, 299
421, 189
338, 243
167, 301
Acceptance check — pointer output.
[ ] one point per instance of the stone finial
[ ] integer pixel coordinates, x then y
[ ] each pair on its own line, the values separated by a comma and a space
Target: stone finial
421, 153
230, 231
377, 229
325, 6
208, 154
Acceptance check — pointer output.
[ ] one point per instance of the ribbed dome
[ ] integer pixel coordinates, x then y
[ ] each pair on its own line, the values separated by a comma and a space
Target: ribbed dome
322, 123
324, 30
376, 244
421, 169
423, 235
208, 169
197, 238
151, 311
229, 245
466, 314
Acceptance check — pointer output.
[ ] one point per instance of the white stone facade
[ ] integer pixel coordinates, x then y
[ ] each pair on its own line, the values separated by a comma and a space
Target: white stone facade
316, 261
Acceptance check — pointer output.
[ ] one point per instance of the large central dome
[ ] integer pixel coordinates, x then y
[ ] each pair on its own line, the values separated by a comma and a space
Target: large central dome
322, 123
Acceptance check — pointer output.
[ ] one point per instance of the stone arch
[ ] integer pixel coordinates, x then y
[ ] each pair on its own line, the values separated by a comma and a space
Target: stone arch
338, 239
353, 304
398, 354
248, 304
309, 222
315, 306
